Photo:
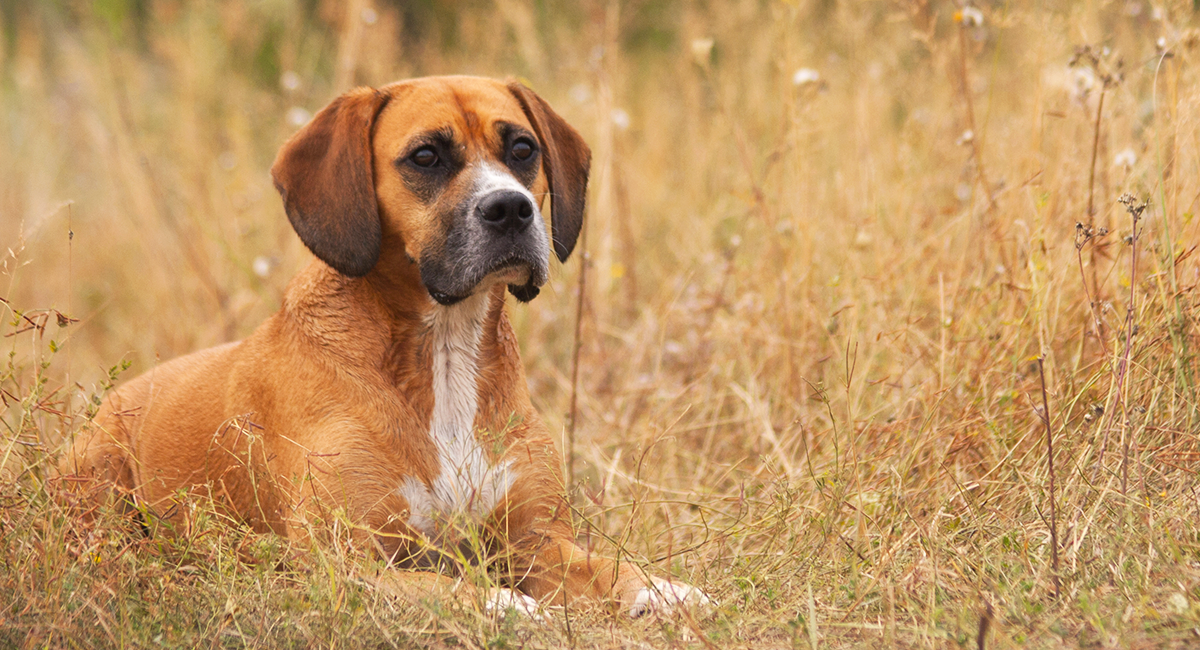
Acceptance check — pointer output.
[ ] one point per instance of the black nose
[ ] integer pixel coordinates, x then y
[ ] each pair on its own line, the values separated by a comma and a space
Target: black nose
506, 211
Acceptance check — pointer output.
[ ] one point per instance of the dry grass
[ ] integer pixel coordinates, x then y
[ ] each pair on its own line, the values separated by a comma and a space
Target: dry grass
810, 364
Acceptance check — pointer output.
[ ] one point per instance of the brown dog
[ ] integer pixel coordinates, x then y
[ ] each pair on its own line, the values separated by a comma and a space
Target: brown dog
389, 386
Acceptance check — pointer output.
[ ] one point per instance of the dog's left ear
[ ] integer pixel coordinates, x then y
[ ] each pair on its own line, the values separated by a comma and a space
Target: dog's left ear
566, 159
324, 174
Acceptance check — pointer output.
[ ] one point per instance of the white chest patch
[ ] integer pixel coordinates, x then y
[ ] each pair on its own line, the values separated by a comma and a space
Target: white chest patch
466, 488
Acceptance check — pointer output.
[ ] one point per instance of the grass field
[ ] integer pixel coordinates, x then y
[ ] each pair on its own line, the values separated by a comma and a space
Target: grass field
858, 274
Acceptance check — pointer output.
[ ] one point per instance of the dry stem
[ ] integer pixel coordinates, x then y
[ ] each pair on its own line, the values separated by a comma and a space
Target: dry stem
1050, 470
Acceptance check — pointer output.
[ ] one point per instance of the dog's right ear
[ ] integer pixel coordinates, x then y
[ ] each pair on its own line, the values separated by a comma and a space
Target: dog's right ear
324, 174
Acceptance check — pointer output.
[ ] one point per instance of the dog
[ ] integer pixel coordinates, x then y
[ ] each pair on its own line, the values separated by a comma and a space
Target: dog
388, 387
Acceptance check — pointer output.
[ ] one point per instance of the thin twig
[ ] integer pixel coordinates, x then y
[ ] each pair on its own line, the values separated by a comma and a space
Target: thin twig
68, 319
985, 621
974, 140
573, 417
1084, 235
1108, 69
1050, 468
1091, 209
1135, 211
1091, 215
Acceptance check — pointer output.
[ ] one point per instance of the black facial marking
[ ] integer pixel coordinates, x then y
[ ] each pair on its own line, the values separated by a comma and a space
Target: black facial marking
453, 271
429, 163
517, 140
445, 299
524, 293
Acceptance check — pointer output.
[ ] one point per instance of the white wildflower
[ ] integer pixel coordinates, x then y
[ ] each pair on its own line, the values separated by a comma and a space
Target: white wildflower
289, 80
971, 17
297, 116
261, 266
580, 93
962, 192
1125, 158
862, 239
805, 76
702, 50
620, 118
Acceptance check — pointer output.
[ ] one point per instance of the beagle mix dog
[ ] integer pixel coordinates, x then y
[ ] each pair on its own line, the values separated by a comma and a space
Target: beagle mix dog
388, 390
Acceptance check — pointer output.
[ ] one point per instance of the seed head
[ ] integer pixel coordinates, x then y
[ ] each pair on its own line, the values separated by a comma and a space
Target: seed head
1132, 206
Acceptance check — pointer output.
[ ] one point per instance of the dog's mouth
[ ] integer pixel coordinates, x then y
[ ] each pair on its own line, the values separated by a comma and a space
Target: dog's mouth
510, 272
524, 278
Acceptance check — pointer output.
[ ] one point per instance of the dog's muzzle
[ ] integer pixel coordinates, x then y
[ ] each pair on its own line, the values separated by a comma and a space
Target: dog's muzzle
499, 237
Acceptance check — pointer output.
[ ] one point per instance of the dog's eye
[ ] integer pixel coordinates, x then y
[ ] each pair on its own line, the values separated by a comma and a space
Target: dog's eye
522, 149
424, 157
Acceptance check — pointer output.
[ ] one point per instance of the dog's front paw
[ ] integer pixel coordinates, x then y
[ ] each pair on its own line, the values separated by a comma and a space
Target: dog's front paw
665, 596
501, 600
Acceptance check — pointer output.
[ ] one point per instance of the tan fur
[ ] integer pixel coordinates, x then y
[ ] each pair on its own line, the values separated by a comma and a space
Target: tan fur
327, 405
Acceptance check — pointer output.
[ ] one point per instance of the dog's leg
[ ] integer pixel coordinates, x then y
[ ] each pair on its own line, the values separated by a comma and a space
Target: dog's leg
97, 467
422, 588
550, 567
533, 527
419, 570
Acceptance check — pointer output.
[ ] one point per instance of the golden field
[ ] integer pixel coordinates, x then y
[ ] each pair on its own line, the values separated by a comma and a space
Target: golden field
857, 272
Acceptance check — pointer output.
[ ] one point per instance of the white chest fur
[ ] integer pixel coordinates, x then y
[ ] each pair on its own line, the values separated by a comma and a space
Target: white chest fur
467, 488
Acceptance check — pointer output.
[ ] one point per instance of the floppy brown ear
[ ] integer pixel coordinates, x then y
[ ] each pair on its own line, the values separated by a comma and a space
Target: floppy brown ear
566, 160
324, 175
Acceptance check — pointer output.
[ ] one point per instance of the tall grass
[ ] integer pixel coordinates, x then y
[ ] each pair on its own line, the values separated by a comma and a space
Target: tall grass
819, 316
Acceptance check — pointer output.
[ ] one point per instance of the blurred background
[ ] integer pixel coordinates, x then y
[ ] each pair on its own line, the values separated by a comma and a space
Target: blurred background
827, 243
790, 166
776, 184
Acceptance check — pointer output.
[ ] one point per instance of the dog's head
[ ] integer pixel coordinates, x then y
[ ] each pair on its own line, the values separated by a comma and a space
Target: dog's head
453, 170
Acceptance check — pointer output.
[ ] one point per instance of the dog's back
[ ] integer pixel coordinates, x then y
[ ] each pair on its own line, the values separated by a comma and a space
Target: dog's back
184, 396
